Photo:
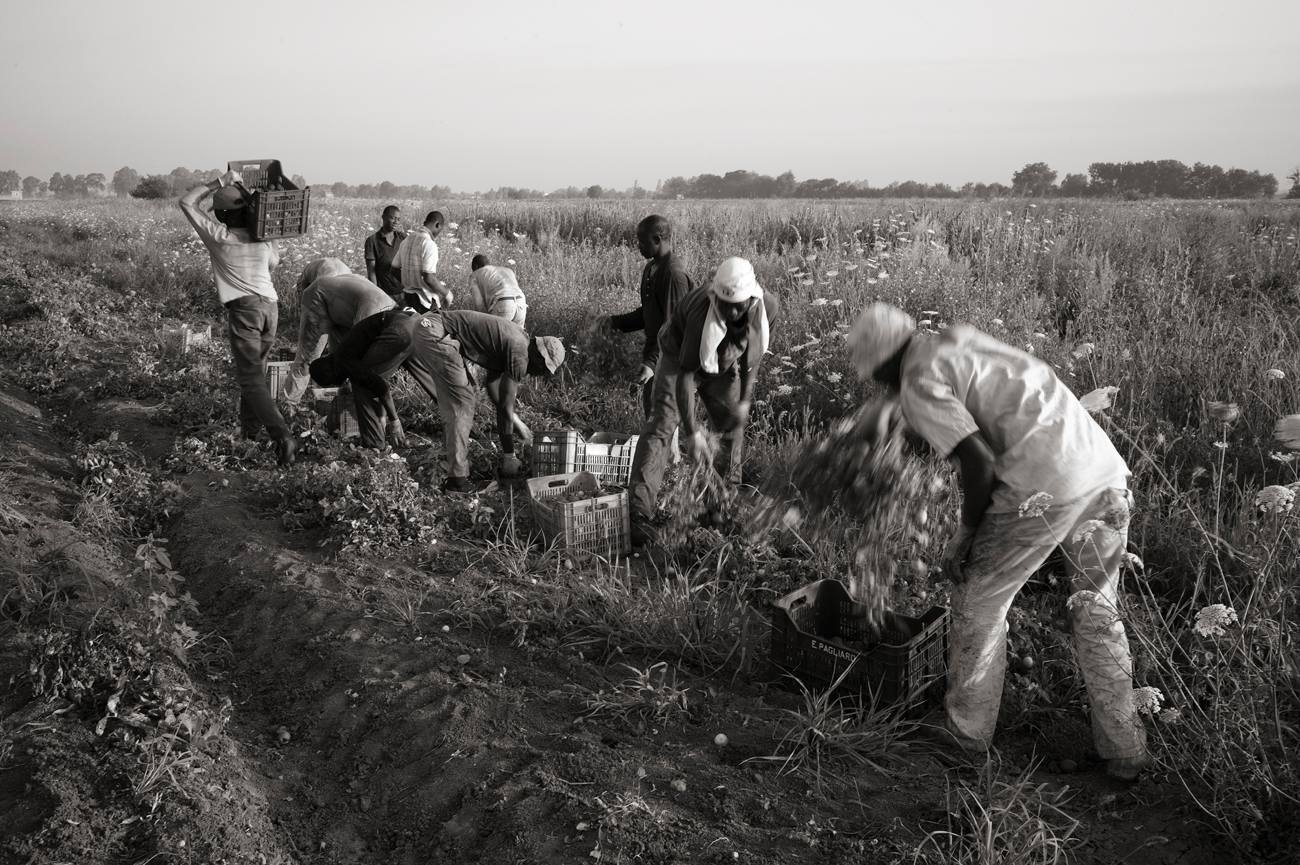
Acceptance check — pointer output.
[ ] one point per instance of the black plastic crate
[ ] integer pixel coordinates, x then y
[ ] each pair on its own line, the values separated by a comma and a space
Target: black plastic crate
814, 632
260, 174
278, 208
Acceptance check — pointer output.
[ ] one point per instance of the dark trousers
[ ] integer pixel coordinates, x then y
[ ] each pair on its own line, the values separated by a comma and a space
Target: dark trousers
252, 321
421, 346
414, 302
720, 395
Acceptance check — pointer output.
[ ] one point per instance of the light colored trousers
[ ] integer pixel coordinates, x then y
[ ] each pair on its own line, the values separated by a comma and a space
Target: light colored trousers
1008, 548
511, 309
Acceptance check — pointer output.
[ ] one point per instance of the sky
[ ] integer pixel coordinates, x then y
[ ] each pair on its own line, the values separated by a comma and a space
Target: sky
477, 95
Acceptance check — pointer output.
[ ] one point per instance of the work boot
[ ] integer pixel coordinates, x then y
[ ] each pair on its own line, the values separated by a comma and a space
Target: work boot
1127, 768
935, 729
642, 535
457, 485
285, 448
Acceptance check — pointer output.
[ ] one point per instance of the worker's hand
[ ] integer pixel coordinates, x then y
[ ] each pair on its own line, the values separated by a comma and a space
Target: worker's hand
396, 433
741, 416
511, 466
609, 323
643, 375
230, 178
957, 552
698, 446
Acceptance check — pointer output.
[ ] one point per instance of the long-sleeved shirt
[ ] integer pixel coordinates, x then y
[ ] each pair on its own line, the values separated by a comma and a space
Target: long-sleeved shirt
242, 266
497, 345
681, 335
375, 347
330, 307
663, 285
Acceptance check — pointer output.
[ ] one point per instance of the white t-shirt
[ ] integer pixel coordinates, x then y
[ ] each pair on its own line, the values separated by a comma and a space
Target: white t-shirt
965, 381
496, 283
418, 255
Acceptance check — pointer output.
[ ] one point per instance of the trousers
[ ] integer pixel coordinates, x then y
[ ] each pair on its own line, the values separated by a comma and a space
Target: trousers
251, 322
720, 395
1007, 549
421, 346
511, 309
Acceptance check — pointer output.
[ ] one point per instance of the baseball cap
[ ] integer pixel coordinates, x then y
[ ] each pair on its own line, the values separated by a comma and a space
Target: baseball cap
227, 198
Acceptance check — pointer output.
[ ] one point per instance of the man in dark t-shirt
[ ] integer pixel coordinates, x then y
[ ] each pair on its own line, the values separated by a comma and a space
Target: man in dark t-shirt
712, 345
381, 247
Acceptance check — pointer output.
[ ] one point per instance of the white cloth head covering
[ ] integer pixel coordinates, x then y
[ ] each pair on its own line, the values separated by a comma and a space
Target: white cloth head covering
881, 330
734, 282
321, 268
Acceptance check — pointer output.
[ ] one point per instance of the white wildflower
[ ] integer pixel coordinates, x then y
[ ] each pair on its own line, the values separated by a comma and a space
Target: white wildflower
1083, 599
1084, 349
1170, 716
510, 261
1036, 505
1274, 374
1133, 562
820, 301
833, 377
1099, 399
1211, 620
1085, 532
784, 390
1147, 700
1275, 499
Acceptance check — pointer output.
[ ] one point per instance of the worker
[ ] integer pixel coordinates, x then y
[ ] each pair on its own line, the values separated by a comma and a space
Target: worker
381, 252
497, 290
713, 344
242, 267
1036, 472
430, 348
417, 258
329, 305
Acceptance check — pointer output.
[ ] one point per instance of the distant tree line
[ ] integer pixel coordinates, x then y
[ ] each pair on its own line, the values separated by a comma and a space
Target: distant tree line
1163, 178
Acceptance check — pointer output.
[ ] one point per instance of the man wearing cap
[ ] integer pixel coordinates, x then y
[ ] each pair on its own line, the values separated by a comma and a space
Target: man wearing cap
242, 267
434, 348
1016, 434
331, 299
712, 344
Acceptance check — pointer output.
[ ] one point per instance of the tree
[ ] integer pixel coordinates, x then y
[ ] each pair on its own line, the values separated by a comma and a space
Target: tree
1075, 185
10, 181
124, 180
96, 183
1035, 179
1294, 177
57, 183
31, 185
595, 191
340, 189
153, 186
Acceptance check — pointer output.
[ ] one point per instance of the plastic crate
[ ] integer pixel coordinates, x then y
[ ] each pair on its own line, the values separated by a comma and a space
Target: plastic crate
279, 215
179, 340
260, 173
606, 455
555, 452
321, 399
907, 665
342, 417
277, 376
599, 526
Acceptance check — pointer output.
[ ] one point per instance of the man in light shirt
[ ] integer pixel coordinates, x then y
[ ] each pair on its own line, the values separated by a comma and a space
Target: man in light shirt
328, 308
242, 267
1036, 472
418, 259
497, 290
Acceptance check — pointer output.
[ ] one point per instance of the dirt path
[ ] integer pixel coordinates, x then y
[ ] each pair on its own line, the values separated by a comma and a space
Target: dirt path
358, 734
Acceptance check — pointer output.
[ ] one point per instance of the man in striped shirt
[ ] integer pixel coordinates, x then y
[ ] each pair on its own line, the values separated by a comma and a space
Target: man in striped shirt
242, 267
418, 259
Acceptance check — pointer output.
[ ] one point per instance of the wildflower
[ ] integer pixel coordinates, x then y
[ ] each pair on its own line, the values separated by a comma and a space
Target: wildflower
510, 261
1223, 446
784, 390
882, 275
1211, 620
1147, 700
1132, 561
832, 273
1036, 505
1275, 499
1099, 399
453, 226
997, 322
1223, 412
1085, 532
1278, 456
1082, 600
1274, 374
1038, 334
820, 301
1084, 349
1170, 716
1287, 431
833, 377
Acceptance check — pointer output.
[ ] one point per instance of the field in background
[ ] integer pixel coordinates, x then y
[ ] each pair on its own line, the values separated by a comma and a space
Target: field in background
1176, 305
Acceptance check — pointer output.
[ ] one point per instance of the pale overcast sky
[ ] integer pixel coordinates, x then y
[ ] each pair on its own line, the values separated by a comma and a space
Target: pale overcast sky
547, 94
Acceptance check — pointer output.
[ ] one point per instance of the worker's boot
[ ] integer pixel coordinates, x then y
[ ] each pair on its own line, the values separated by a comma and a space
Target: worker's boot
1128, 768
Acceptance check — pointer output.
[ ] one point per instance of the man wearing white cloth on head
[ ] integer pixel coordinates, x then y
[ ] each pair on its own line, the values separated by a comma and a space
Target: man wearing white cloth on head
712, 345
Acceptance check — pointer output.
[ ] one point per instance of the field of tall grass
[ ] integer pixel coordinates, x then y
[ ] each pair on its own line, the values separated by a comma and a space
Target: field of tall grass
1190, 312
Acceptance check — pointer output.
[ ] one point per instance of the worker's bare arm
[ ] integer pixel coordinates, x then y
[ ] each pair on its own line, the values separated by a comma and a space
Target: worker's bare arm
975, 462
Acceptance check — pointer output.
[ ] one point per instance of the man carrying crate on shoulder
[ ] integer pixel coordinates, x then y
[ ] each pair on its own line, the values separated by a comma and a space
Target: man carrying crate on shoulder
242, 267
1036, 472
